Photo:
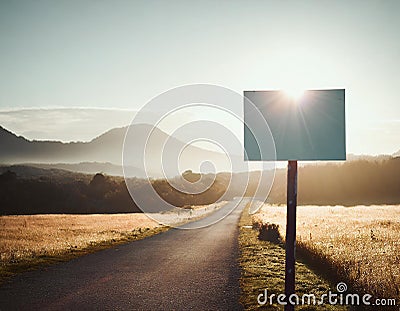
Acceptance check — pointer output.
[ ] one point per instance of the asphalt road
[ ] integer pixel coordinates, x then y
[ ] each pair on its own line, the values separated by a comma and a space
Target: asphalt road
176, 270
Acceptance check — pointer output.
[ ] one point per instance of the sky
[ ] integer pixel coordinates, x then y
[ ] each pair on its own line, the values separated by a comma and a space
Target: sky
57, 56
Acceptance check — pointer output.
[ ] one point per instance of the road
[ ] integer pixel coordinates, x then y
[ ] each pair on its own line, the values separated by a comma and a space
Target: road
176, 270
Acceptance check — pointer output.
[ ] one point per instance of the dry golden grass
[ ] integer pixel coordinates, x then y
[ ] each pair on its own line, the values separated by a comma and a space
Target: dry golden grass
361, 243
29, 240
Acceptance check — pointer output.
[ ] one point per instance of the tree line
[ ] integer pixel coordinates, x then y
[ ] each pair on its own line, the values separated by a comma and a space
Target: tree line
350, 183
103, 194
360, 182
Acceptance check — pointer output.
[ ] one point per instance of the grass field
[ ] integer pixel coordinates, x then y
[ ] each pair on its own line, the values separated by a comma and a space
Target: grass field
263, 267
33, 240
28, 241
359, 245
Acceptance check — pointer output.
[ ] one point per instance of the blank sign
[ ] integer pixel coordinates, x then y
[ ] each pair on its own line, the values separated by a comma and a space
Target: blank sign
310, 127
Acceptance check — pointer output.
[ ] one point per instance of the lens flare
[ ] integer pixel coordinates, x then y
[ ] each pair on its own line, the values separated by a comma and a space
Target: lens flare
295, 93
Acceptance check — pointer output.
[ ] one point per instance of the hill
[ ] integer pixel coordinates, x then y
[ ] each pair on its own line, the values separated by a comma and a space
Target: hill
106, 149
90, 168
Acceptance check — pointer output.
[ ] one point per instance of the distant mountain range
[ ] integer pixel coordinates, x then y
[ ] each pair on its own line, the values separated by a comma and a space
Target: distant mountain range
104, 153
83, 167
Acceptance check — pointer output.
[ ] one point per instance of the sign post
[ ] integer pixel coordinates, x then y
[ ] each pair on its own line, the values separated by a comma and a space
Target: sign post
291, 232
308, 128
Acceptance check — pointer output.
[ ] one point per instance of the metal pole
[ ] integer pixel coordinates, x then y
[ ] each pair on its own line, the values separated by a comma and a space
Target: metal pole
290, 232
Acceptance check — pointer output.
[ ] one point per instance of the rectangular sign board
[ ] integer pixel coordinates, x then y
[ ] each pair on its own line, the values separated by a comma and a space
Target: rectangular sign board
310, 127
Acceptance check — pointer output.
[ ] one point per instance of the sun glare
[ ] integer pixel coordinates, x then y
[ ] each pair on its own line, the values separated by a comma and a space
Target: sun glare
294, 93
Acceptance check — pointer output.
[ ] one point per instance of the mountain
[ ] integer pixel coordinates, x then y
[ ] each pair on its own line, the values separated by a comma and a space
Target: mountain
108, 147
17, 149
88, 168
396, 154
42, 173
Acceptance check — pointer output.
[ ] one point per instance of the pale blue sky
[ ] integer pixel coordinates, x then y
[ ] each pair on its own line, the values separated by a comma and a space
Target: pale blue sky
120, 54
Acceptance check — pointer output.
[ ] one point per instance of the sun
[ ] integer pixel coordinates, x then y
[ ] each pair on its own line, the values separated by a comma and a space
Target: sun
295, 93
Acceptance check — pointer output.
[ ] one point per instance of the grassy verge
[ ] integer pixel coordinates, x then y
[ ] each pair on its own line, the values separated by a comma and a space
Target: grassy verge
263, 267
30, 242
359, 245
